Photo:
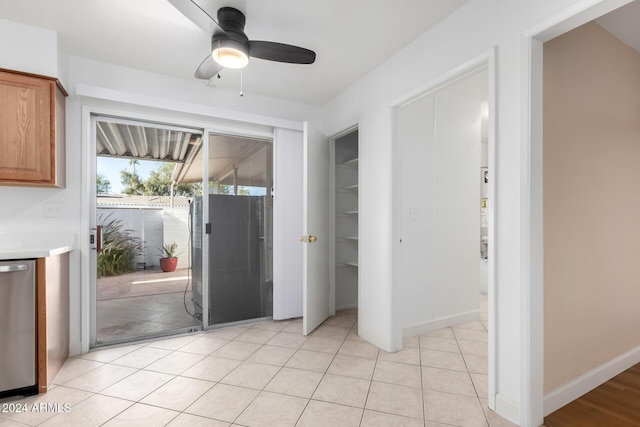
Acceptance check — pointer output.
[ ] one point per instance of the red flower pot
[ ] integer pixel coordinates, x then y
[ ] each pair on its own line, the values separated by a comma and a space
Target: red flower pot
168, 264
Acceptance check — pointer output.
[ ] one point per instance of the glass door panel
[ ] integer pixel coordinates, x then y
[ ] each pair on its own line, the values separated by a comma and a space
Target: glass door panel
142, 208
239, 229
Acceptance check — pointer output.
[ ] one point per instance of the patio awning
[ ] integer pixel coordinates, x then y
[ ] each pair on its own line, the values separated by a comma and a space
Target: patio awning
134, 140
232, 160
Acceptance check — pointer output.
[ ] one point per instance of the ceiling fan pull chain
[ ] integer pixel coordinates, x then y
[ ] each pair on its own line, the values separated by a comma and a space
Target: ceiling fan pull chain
241, 93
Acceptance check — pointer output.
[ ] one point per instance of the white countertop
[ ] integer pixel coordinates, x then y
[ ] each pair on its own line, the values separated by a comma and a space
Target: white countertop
35, 245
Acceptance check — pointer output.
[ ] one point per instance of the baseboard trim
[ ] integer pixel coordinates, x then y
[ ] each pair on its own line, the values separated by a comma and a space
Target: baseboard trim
442, 322
569, 392
347, 306
507, 409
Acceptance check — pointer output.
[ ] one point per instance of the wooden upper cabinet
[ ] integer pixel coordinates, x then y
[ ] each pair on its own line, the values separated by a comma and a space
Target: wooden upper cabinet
32, 122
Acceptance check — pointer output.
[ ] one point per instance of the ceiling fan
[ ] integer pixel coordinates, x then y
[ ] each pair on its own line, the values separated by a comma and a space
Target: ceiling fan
230, 46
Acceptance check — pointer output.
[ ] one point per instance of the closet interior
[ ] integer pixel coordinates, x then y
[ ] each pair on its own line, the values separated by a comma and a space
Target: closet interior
344, 188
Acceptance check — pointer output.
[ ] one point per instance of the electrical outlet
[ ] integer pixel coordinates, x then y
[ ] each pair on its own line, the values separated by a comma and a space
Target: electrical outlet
52, 210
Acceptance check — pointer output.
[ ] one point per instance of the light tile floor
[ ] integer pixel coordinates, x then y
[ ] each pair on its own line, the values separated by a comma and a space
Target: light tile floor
269, 374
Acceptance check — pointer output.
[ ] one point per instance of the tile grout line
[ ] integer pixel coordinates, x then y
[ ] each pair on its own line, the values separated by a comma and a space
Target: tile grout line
324, 374
471, 379
184, 370
424, 404
366, 400
268, 382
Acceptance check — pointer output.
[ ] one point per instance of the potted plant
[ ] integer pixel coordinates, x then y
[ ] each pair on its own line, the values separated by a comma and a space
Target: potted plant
169, 257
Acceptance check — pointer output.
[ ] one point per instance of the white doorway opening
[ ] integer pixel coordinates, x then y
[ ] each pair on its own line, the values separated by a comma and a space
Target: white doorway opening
443, 208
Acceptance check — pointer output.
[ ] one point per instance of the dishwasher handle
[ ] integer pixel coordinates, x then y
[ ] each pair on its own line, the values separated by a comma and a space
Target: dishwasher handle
13, 267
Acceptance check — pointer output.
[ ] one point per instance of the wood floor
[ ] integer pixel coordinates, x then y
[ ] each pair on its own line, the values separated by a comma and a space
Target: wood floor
615, 403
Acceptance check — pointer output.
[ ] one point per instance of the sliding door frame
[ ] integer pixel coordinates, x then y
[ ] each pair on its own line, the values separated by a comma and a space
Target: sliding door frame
85, 307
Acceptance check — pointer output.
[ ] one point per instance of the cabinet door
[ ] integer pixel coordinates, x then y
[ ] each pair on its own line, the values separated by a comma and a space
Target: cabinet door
25, 129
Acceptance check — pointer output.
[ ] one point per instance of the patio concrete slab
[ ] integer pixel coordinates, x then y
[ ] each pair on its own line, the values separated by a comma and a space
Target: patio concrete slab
143, 303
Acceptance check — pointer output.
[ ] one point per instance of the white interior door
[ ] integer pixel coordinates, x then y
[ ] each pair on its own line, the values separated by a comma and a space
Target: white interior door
438, 254
287, 223
315, 226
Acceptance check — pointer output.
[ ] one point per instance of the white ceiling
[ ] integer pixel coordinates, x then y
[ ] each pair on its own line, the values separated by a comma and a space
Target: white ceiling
350, 37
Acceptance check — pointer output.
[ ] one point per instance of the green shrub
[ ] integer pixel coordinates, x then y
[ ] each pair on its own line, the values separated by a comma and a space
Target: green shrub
169, 250
119, 249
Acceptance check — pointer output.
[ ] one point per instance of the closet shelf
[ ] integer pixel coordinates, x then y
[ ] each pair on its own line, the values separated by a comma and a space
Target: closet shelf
344, 220
347, 264
353, 163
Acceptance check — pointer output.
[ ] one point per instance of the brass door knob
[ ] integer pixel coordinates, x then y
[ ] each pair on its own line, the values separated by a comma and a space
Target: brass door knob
312, 239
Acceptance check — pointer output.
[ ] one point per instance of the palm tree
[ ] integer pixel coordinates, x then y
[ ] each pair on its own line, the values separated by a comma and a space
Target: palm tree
133, 162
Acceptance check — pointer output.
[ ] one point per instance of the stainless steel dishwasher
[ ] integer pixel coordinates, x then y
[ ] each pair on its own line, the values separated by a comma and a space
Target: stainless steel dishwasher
17, 327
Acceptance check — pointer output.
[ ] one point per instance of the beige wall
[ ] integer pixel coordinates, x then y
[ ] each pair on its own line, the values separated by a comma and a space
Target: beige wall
591, 202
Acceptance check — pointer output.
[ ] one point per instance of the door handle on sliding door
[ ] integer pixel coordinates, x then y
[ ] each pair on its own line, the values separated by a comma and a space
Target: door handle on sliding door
99, 238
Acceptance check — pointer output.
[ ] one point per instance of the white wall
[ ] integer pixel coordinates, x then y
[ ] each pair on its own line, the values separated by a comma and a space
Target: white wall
439, 154
455, 203
176, 229
416, 258
179, 98
154, 227
144, 224
29, 49
35, 50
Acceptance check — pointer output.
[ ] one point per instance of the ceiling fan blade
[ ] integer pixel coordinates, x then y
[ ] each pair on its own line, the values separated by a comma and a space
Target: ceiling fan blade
198, 15
207, 69
280, 52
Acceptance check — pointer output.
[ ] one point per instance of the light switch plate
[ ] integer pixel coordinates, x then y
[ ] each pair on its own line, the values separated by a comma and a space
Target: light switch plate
52, 210
415, 212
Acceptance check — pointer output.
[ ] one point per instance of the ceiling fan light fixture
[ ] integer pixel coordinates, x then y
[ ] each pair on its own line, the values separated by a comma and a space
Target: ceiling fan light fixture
230, 54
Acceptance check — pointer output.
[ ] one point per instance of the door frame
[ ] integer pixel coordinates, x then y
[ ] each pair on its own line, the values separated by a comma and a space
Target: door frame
534, 404
221, 122
485, 60
91, 163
